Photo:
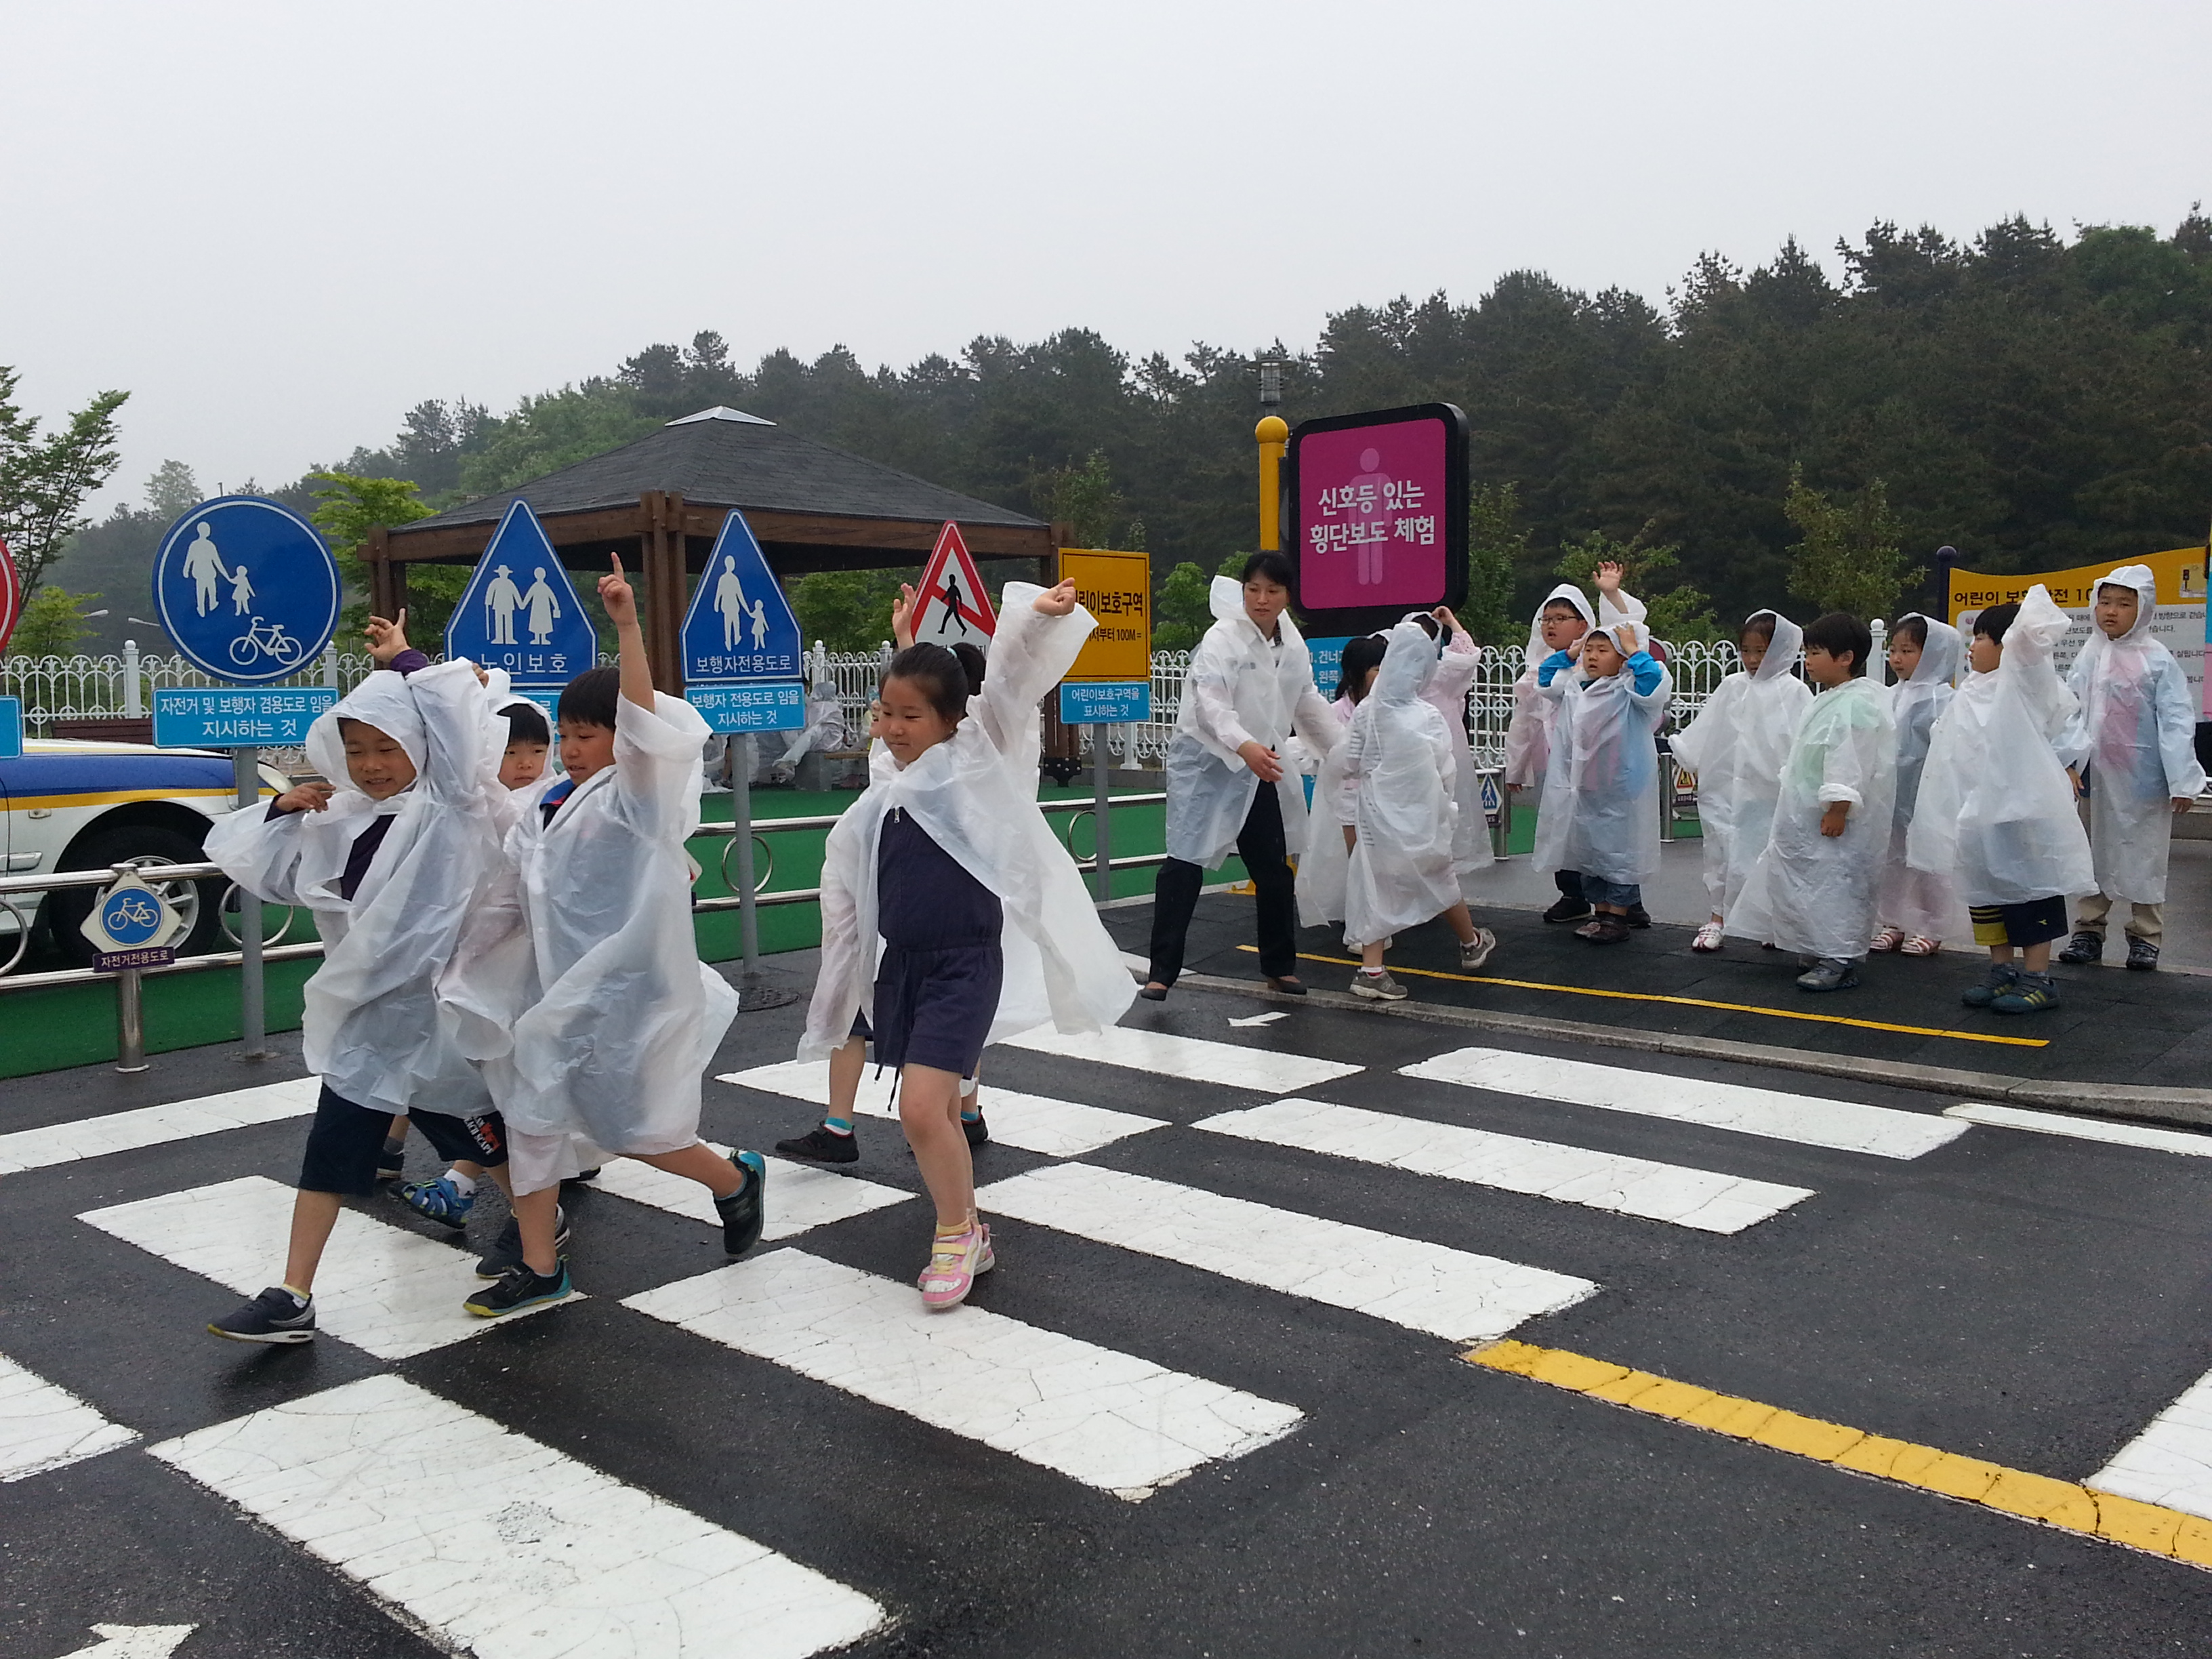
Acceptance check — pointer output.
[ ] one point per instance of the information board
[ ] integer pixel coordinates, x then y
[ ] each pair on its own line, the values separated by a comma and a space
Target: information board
1117, 589
245, 589
1378, 505
237, 717
11, 727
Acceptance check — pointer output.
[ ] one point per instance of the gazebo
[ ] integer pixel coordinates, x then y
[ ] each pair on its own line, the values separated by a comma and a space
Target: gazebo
661, 500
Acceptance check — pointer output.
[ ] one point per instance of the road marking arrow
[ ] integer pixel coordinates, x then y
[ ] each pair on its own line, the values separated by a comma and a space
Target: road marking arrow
134, 1642
1268, 1019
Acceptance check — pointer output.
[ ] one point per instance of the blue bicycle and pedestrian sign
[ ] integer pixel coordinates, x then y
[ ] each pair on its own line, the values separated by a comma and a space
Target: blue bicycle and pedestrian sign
741, 643
131, 926
520, 611
247, 590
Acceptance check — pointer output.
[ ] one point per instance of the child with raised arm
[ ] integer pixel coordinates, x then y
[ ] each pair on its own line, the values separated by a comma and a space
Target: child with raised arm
1811, 890
1599, 814
2134, 745
1915, 907
623, 1017
1995, 812
1736, 746
1559, 626
940, 864
388, 855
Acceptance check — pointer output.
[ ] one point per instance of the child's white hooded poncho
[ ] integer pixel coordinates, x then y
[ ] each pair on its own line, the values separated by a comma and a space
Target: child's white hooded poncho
1736, 746
1997, 809
1061, 966
1240, 687
1812, 893
1528, 734
2134, 736
1922, 902
372, 1026
1600, 810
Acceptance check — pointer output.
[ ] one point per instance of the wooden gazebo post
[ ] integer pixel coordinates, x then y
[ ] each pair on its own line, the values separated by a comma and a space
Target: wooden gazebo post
662, 551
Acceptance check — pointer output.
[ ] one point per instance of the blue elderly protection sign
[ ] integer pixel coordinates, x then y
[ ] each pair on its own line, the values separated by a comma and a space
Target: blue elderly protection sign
741, 643
246, 589
520, 611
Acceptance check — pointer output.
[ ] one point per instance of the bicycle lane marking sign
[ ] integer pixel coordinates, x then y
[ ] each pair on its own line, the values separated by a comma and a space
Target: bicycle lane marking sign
247, 590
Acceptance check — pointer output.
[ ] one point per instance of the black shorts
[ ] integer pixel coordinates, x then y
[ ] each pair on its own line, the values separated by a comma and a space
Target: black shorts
935, 1008
345, 1139
2032, 923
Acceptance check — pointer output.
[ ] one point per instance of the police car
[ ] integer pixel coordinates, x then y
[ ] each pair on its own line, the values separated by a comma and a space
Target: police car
75, 805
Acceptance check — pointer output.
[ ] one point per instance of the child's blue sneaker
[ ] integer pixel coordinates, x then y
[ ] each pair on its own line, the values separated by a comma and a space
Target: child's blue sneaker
439, 1201
2028, 993
1998, 979
520, 1290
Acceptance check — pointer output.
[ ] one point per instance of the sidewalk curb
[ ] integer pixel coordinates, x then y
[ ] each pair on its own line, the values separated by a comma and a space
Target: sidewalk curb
2186, 1108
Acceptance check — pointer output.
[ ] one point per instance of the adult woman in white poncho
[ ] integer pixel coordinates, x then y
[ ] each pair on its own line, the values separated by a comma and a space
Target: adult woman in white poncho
1399, 866
1997, 811
1811, 890
938, 866
1918, 909
1599, 816
1249, 685
2134, 746
1559, 625
1736, 746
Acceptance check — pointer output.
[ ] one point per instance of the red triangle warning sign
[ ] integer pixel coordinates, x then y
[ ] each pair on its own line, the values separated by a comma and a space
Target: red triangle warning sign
950, 605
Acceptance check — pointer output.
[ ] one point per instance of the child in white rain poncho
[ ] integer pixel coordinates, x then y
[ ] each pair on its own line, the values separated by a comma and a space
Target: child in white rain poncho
943, 865
1811, 890
1249, 683
621, 1015
1599, 816
388, 855
1736, 746
1559, 625
1396, 864
2134, 746
1997, 809
1918, 909
1446, 691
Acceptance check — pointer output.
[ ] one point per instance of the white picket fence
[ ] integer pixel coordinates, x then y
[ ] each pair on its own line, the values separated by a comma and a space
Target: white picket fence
91, 687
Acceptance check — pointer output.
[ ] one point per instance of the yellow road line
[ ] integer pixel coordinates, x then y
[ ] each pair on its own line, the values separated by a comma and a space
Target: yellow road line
1686, 1002
2062, 1503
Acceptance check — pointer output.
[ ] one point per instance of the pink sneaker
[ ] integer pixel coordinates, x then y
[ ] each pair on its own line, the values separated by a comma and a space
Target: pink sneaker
955, 1264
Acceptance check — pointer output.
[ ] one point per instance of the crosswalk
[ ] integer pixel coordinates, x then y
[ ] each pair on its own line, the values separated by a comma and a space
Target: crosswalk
624, 1571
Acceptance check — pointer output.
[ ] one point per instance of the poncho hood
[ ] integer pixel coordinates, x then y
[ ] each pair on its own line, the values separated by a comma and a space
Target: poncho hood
1781, 651
1941, 656
1565, 593
2141, 578
383, 701
1409, 663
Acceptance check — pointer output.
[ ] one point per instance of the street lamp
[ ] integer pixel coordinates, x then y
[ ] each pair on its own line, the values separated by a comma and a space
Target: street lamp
1271, 384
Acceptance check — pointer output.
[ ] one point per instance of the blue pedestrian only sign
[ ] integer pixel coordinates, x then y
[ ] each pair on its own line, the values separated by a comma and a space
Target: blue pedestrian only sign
247, 590
741, 643
237, 717
1105, 703
520, 611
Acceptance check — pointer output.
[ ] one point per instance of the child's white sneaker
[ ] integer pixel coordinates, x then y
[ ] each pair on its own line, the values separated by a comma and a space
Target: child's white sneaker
1476, 950
1709, 938
1378, 987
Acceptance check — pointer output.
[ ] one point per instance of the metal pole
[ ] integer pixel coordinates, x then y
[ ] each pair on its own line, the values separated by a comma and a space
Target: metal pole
741, 819
1666, 798
1103, 861
130, 1023
252, 1018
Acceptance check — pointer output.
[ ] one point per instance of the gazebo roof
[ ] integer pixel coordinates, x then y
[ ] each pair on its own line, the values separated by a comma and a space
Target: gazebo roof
794, 492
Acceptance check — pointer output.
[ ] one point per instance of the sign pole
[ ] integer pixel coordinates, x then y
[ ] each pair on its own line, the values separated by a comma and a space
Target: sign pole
1100, 833
252, 1018
741, 819
130, 1024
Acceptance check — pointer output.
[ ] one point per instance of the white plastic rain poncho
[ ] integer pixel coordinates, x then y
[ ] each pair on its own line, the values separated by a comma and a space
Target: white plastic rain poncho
1922, 902
1599, 813
1323, 860
620, 1016
1528, 734
2135, 739
1812, 893
1240, 688
1446, 692
372, 1026
1995, 810
966, 796
1403, 868
1736, 746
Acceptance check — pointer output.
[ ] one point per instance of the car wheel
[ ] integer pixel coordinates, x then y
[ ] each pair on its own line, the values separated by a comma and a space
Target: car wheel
195, 900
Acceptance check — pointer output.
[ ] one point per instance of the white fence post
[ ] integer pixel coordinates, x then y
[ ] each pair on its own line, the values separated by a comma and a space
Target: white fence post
133, 689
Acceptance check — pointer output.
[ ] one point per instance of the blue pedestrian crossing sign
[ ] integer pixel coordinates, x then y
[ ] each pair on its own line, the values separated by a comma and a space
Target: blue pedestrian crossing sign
246, 589
520, 611
739, 627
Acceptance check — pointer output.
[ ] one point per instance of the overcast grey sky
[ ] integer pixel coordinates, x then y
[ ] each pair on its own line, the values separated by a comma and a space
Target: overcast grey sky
278, 226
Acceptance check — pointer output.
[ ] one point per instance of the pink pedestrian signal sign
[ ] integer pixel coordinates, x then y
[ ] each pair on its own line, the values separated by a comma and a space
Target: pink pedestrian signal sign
1380, 510
12, 595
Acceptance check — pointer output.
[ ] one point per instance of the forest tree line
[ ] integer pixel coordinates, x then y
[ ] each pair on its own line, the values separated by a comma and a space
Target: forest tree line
1761, 437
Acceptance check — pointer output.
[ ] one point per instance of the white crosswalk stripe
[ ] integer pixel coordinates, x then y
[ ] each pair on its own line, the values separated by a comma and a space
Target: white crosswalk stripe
1110, 1420
44, 1426
800, 1197
379, 1287
506, 1547
2170, 1463
1846, 1125
1702, 1198
1425, 1287
152, 1126
1162, 1055
1035, 1123
2189, 1143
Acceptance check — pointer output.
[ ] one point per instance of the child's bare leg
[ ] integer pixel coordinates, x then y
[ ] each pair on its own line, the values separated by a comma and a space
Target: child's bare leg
2035, 958
929, 1110
1462, 923
2001, 954
537, 1219
1370, 956
700, 1163
313, 1215
846, 1064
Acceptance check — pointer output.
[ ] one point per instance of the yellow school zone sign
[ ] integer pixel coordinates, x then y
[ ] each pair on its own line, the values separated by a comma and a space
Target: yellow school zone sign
1117, 589
2178, 619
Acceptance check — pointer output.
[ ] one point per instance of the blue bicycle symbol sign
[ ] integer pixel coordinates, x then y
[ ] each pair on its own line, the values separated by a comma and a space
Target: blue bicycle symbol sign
264, 639
130, 917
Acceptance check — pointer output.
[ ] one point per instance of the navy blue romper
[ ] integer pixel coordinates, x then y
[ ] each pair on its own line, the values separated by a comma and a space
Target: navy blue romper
937, 987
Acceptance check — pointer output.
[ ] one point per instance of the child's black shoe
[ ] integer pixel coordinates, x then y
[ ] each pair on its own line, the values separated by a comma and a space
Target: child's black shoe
1568, 908
2142, 956
744, 1211
821, 1146
2084, 948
